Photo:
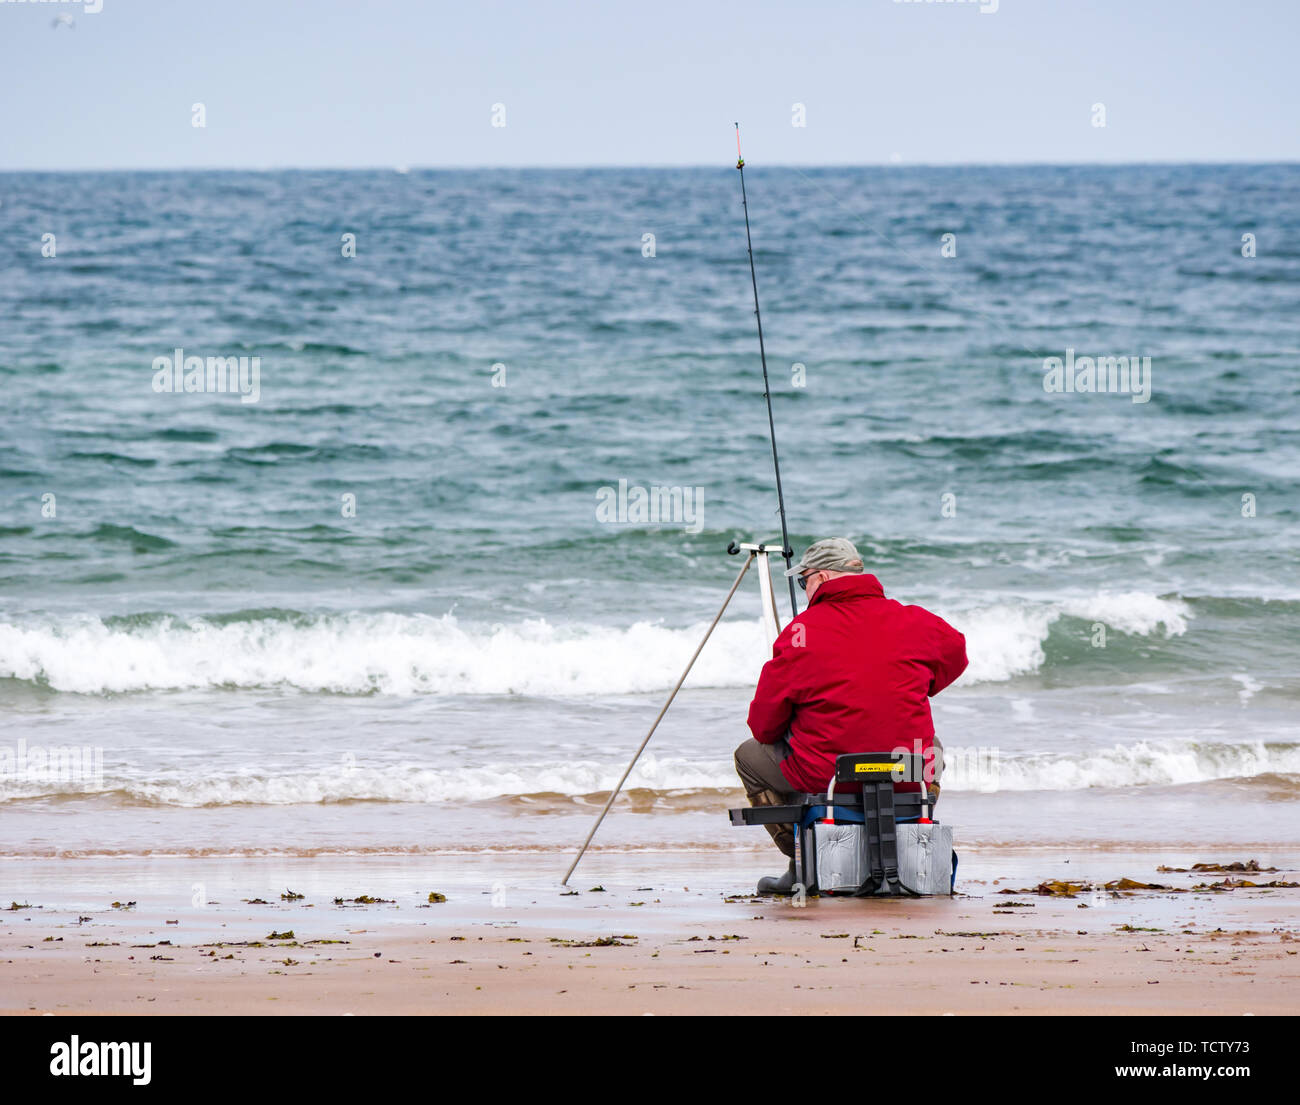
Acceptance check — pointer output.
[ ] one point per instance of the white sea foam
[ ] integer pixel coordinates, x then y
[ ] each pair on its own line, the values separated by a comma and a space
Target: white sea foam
1146, 763
1250, 686
408, 782
983, 770
1132, 612
387, 653
1004, 641
403, 654
1007, 639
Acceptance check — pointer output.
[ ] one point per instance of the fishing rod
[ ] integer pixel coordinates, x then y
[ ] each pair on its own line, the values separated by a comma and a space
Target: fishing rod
786, 550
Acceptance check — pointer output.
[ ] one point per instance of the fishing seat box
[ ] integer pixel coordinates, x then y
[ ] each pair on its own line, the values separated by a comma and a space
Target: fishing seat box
876, 841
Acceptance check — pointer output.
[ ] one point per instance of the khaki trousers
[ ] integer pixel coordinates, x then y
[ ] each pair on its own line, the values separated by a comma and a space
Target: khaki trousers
759, 768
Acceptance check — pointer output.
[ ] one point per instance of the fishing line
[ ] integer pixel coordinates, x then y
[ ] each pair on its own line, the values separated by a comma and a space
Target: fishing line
786, 551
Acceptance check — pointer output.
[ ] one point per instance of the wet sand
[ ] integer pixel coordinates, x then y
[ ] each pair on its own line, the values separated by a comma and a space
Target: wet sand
517, 944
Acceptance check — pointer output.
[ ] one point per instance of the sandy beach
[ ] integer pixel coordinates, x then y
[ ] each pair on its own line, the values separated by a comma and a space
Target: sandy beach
663, 946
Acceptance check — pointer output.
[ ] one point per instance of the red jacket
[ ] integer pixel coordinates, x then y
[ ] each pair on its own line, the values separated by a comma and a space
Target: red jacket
853, 673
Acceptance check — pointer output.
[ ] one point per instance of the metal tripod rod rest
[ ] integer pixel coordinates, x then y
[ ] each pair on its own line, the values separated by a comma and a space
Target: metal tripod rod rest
760, 552
753, 553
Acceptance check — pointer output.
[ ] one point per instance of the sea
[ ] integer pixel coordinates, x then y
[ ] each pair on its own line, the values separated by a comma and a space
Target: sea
417, 579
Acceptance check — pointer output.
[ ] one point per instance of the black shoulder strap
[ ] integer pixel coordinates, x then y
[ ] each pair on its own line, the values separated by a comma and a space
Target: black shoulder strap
880, 842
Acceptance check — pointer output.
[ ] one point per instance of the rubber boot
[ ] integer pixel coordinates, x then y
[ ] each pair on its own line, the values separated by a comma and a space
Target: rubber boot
780, 884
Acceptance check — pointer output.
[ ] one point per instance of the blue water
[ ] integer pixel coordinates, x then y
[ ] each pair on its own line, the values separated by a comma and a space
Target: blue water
197, 573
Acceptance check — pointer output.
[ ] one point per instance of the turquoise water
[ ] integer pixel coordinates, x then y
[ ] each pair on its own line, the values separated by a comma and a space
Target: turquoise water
386, 581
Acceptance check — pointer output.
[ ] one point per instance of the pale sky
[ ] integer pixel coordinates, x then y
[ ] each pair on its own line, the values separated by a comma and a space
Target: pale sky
381, 83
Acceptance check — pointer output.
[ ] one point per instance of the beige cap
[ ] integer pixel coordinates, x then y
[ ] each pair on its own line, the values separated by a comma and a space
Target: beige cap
832, 554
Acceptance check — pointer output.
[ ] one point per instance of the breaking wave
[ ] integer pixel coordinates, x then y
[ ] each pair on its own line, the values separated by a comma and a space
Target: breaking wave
402, 654
669, 783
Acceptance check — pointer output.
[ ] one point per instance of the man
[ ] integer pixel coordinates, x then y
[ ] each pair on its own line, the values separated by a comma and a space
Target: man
853, 673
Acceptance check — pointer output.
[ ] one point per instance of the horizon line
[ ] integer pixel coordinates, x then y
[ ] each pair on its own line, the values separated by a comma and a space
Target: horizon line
569, 167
